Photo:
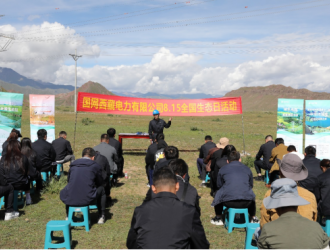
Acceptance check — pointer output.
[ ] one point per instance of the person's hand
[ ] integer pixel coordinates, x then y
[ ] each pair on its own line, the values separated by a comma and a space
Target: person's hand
170, 119
150, 141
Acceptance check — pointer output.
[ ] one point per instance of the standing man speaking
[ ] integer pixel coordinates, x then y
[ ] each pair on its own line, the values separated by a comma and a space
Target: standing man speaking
156, 126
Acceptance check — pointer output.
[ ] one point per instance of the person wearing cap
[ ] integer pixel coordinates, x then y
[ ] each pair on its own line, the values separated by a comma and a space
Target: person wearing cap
277, 153
5, 144
215, 153
293, 168
290, 230
265, 152
157, 125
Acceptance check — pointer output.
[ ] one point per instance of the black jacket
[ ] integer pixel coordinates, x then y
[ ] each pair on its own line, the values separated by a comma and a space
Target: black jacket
62, 148
15, 175
265, 151
166, 222
157, 127
104, 164
216, 155
218, 165
324, 187
84, 177
45, 155
116, 144
203, 152
314, 170
33, 163
150, 157
4, 148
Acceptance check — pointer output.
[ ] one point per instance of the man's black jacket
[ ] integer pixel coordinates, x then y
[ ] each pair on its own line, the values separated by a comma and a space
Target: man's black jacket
104, 164
62, 148
205, 149
116, 144
166, 222
216, 155
45, 155
314, 170
265, 151
150, 157
324, 186
157, 127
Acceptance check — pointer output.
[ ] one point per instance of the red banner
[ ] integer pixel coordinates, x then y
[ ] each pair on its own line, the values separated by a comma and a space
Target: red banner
109, 104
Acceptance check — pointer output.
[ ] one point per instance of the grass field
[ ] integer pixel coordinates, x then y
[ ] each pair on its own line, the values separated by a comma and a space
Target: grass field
28, 231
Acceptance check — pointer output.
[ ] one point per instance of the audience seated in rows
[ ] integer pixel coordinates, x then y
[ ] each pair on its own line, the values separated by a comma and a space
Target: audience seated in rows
290, 230
235, 189
106, 172
117, 145
324, 187
164, 221
85, 184
63, 149
204, 150
170, 153
277, 153
265, 153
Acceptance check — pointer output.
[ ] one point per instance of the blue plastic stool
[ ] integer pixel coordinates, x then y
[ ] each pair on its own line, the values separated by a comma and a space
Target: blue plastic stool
2, 202
266, 179
326, 227
92, 207
230, 217
58, 225
45, 176
207, 177
18, 201
84, 211
59, 167
32, 187
251, 228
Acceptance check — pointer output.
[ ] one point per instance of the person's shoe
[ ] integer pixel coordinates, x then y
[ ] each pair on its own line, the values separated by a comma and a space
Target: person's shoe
148, 185
255, 220
29, 201
11, 215
267, 185
66, 218
203, 184
259, 178
101, 220
217, 221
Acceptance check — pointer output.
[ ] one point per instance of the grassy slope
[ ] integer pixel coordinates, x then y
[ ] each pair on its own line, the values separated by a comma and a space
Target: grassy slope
28, 231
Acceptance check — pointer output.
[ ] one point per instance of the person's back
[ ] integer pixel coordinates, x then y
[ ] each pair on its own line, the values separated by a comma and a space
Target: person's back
108, 151
63, 148
324, 187
205, 148
150, 156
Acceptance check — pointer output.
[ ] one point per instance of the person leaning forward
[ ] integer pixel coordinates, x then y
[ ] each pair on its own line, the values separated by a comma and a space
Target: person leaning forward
157, 125
277, 153
265, 151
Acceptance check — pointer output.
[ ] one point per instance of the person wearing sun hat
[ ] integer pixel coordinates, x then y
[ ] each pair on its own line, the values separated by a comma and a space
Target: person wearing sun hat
293, 168
290, 230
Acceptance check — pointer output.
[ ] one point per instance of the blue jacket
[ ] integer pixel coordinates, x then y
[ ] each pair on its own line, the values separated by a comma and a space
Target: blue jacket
84, 177
235, 182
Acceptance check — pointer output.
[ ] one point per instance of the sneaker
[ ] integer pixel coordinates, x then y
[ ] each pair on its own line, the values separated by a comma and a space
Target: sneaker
148, 185
11, 215
101, 220
203, 184
66, 218
217, 221
255, 220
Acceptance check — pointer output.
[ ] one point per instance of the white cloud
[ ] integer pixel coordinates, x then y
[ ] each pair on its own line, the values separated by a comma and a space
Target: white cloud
32, 17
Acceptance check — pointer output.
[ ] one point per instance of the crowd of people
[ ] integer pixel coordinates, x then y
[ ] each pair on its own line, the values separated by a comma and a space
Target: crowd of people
169, 216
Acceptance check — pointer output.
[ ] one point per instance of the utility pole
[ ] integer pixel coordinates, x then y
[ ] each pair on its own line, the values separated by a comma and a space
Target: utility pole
75, 57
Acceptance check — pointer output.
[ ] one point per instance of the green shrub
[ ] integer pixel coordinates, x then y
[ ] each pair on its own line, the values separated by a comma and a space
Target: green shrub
248, 161
55, 186
86, 121
217, 120
110, 115
194, 129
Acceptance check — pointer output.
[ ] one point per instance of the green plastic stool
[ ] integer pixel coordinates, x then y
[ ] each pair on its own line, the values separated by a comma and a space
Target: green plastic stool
251, 228
85, 212
58, 225
230, 218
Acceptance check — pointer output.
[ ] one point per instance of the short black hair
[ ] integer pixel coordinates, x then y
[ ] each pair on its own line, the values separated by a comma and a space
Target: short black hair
111, 132
171, 152
179, 167
208, 138
164, 177
291, 148
310, 150
89, 152
268, 136
226, 151
62, 133
104, 137
160, 137
234, 156
325, 163
279, 141
42, 133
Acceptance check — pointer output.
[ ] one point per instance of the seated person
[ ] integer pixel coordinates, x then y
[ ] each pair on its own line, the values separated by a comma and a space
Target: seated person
85, 184
223, 142
164, 221
290, 230
104, 164
15, 136
7, 191
265, 152
277, 153
313, 165
292, 150
324, 187
235, 189
161, 145
204, 150
117, 145
293, 168
63, 149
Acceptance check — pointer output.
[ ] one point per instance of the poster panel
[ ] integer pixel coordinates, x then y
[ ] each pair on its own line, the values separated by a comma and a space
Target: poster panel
10, 114
290, 115
42, 116
317, 127
109, 104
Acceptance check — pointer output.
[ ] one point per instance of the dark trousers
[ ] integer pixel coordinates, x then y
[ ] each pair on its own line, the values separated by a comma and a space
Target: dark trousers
200, 165
8, 193
100, 200
107, 186
147, 173
151, 173
259, 164
23, 187
250, 205
274, 176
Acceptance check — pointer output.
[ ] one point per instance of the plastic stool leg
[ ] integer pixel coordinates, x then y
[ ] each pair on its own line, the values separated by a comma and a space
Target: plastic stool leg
231, 221
15, 205
67, 238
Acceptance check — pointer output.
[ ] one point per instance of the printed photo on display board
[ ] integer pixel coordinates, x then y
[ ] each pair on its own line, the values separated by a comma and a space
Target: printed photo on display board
317, 129
10, 114
290, 115
42, 116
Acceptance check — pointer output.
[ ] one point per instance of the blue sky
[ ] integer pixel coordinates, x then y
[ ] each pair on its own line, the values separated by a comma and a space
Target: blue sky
233, 41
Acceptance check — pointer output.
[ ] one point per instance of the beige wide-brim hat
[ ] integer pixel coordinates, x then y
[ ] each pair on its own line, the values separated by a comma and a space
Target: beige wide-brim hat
223, 142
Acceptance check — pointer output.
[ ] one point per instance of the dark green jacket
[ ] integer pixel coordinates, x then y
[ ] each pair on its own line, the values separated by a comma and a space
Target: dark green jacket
292, 231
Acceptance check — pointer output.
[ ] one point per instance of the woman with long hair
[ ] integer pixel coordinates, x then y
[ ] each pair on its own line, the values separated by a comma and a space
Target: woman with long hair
14, 135
16, 168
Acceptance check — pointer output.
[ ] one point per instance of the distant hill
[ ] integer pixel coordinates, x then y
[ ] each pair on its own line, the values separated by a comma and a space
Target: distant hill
164, 96
67, 99
11, 76
265, 98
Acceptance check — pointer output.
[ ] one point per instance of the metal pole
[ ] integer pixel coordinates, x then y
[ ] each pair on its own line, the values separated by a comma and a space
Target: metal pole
75, 89
74, 134
244, 152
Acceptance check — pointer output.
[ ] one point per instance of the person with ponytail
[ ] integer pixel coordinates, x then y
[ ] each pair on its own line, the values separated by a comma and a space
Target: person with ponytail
14, 135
